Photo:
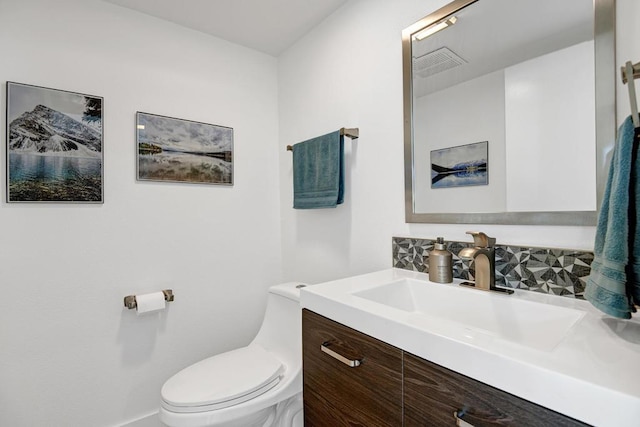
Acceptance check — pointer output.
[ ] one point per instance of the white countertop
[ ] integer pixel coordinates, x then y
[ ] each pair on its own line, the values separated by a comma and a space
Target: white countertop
592, 375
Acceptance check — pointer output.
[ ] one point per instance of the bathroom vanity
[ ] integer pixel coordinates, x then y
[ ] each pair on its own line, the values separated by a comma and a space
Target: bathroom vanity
391, 348
392, 387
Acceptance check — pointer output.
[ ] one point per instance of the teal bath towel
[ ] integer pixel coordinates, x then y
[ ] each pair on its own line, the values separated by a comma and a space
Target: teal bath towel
318, 172
614, 283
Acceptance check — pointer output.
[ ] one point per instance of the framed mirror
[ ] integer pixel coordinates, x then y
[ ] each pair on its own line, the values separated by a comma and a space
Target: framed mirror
509, 111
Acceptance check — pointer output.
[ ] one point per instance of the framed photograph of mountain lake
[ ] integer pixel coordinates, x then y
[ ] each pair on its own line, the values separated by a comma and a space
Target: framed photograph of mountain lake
460, 166
54, 145
178, 150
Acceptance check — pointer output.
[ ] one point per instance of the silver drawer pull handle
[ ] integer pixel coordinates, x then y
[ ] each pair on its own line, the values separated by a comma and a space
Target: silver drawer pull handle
459, 421
351, 363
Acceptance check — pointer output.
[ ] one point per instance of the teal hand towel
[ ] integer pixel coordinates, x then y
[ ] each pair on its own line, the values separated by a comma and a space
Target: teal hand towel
614, 283
318, 172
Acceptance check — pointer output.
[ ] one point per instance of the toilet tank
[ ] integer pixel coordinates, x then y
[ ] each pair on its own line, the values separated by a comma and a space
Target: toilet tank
281, 330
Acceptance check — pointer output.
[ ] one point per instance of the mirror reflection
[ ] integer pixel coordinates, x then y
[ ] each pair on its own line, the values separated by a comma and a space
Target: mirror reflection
502, 117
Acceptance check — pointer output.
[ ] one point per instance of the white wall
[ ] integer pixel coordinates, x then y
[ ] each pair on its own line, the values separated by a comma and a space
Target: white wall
70, 354
549, 119
347, 72
469, 112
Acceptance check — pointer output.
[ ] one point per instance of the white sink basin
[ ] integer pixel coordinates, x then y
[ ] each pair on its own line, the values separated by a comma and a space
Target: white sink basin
483, 315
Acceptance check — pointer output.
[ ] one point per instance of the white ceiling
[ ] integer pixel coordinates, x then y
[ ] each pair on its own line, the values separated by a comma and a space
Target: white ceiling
269, 26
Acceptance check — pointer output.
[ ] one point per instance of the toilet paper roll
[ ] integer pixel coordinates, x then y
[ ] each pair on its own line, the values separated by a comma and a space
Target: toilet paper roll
148, 303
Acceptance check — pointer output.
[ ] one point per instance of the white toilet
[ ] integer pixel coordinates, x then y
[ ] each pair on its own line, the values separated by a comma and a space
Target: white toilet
259, 385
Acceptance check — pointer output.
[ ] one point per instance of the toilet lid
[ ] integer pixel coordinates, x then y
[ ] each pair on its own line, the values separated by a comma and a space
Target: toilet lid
223, 380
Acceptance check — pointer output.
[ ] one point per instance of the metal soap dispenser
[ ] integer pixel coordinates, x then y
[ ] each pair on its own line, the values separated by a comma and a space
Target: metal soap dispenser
440, 263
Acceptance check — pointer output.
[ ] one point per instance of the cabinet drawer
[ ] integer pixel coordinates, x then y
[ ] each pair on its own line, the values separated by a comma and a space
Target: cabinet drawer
336, 394
432, 394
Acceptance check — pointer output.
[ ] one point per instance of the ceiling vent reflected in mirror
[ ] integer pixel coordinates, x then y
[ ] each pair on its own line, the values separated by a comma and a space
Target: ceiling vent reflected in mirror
436, 62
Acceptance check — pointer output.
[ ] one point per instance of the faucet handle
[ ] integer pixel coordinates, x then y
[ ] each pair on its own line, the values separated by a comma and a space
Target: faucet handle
481, 240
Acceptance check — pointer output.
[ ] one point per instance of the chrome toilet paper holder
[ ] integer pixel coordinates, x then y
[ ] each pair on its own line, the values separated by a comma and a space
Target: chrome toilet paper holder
131, 303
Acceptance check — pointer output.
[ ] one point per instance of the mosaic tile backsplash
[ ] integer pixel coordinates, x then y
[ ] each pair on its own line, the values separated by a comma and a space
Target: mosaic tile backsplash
554, 271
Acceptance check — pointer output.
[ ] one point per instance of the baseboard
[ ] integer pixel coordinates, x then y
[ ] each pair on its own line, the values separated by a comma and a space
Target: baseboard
150, 420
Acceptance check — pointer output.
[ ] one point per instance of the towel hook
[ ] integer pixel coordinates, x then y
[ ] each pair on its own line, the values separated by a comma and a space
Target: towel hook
629, 73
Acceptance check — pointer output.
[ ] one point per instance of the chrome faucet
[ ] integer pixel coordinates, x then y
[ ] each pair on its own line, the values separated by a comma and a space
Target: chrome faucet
483, 254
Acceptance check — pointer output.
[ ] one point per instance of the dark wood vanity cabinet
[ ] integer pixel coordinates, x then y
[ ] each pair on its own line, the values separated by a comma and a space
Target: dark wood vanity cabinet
434, 396
336, 394
394, 388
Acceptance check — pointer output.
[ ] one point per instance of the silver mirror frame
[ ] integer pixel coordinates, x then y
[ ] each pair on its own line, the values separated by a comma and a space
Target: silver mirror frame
604, 40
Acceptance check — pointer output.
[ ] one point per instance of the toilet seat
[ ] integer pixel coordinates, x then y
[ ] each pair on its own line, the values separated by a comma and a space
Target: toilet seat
222, 381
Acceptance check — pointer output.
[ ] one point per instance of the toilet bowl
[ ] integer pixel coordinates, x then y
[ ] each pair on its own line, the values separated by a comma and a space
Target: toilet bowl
259, 385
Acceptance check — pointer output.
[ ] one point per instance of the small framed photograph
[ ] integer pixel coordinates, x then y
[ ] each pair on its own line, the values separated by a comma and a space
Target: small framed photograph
178, 150
54, 145
460, 166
